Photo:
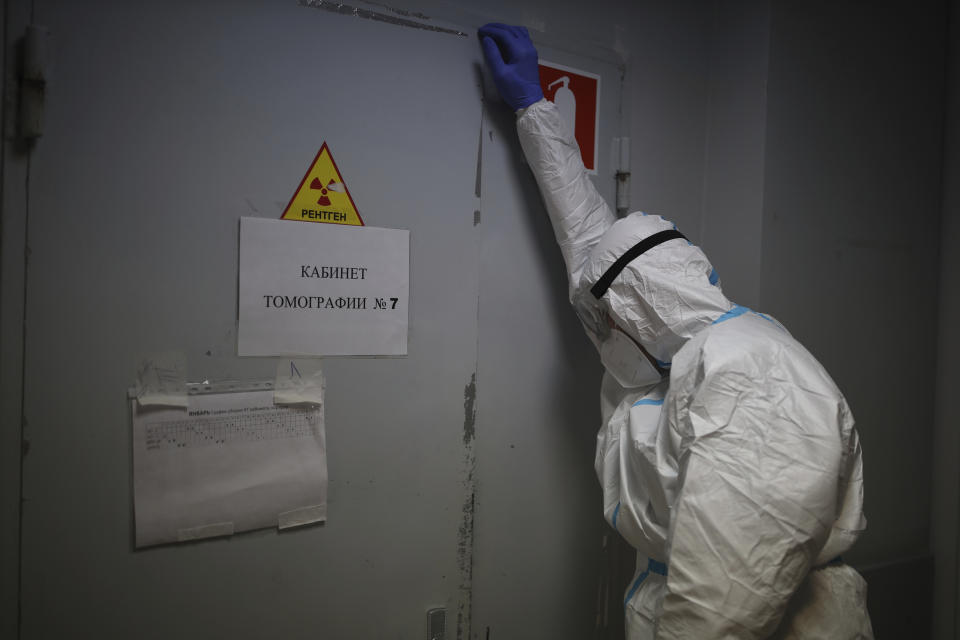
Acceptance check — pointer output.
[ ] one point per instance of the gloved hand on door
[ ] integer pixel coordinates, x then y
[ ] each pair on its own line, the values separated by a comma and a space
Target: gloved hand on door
513, 60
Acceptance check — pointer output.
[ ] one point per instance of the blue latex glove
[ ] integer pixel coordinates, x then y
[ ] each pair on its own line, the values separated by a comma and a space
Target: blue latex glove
513, 60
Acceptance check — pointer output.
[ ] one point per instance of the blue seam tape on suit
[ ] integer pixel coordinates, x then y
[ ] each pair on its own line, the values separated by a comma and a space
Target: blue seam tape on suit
737, 310
648, 401
659, 568
636, 585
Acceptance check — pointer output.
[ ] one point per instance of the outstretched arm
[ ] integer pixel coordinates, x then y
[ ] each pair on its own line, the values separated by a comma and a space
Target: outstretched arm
579, 214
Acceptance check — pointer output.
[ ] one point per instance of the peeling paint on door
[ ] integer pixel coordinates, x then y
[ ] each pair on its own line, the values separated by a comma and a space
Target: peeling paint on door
465, 532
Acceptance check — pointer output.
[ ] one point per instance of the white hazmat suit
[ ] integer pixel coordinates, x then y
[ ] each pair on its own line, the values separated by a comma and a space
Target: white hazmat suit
738, 477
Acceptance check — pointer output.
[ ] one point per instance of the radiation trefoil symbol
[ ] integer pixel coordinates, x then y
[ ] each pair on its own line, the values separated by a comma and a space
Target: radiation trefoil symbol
324, 200
323, 195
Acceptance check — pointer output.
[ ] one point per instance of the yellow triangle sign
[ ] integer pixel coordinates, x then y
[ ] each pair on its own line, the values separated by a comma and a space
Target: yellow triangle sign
322, 195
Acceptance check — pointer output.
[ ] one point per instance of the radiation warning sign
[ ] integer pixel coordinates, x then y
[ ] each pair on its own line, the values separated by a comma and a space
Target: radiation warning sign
322, 195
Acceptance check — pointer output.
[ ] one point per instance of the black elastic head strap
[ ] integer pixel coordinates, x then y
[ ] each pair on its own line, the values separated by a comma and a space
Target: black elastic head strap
632, 254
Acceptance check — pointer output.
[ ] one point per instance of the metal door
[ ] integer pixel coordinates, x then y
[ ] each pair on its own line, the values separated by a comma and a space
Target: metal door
460, 474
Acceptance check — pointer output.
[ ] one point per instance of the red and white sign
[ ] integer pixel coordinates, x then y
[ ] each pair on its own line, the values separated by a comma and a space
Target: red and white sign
577, 96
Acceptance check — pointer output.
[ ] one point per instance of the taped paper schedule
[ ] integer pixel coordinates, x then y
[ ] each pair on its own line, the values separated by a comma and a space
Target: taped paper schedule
322, 290
227, 462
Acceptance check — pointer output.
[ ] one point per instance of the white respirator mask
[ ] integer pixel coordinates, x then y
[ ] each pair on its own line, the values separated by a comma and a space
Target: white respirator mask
627, 362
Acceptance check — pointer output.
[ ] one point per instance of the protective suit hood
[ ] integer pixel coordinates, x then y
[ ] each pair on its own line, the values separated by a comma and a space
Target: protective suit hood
663, 297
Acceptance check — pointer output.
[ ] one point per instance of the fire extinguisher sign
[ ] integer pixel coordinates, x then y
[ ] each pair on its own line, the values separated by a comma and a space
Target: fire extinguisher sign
577, 96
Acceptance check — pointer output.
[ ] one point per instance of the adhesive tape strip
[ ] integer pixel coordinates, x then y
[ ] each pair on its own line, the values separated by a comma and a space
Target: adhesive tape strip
162, 380
299, 382
299, 517
205, 531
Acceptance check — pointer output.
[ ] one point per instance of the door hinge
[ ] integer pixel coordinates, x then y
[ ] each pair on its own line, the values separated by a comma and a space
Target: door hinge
33, 83
621, 148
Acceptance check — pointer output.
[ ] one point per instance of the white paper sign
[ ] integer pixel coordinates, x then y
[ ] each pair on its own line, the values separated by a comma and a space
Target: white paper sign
228, 462
322, 289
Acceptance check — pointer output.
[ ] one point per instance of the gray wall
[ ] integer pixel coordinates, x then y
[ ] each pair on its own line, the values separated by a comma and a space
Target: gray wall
736, 115
946, 441
668, 108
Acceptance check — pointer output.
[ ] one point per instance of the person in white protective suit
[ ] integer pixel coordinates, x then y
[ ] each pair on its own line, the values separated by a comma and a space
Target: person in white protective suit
728, 457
